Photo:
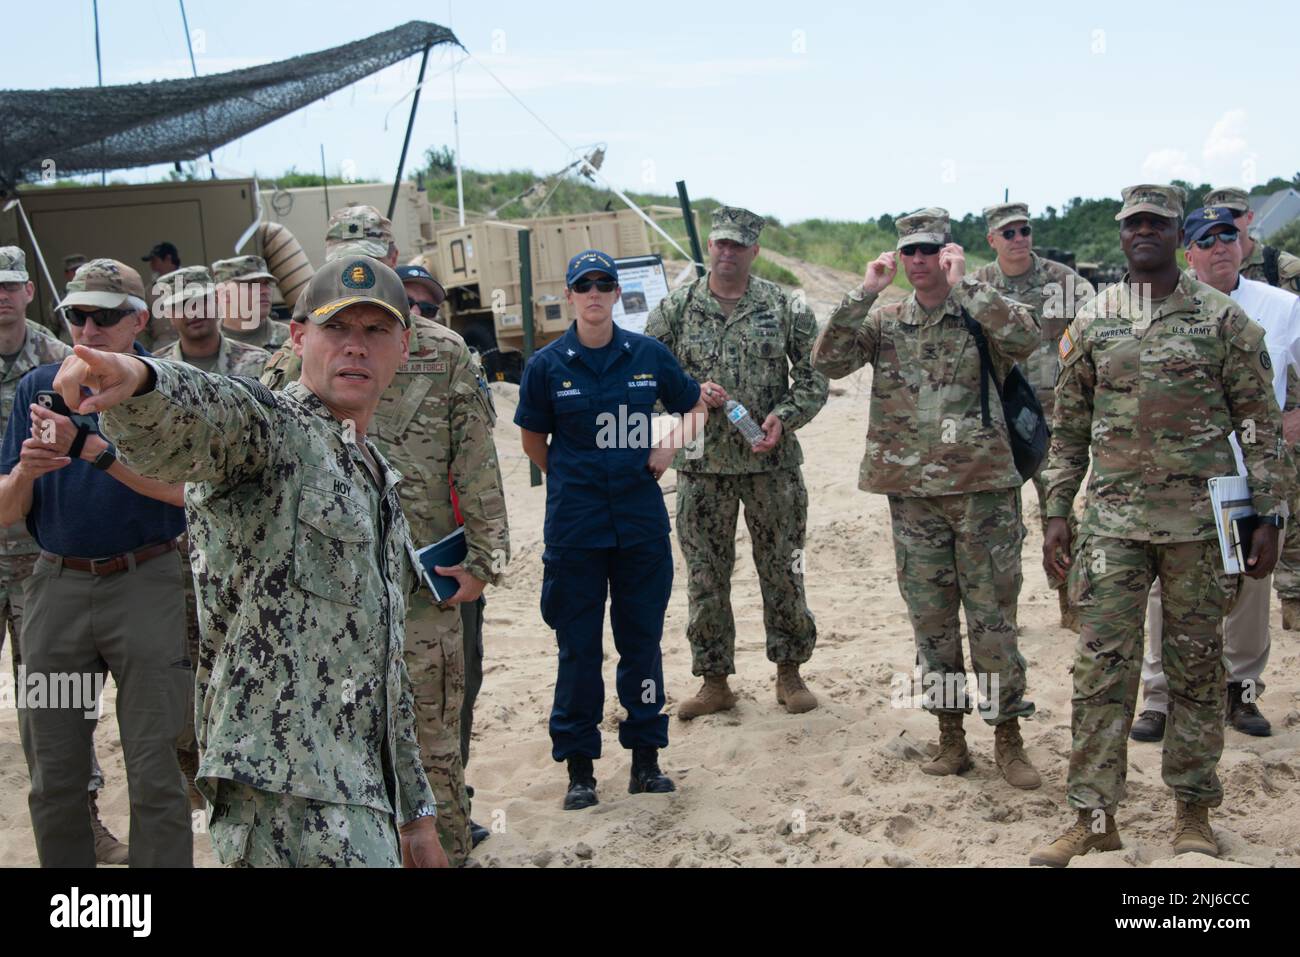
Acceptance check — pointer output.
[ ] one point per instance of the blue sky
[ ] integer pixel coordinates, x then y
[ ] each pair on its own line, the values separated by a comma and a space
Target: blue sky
797, 110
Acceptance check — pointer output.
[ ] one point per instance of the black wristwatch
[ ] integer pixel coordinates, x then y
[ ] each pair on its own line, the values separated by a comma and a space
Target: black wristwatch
1278, 521
105, 459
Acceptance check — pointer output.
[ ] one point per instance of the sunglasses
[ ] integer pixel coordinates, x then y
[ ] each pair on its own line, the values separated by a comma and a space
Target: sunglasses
1011, 233
104, 318
925, 249
1227, 237
426, 309
602, 285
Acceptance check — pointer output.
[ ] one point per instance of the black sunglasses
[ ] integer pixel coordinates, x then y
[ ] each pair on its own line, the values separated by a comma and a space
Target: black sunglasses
1227, 237
602, 285
426, 309
1011, 233
104, 318
925, 249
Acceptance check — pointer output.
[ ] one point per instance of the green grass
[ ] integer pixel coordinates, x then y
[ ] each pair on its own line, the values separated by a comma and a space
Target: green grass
766, 269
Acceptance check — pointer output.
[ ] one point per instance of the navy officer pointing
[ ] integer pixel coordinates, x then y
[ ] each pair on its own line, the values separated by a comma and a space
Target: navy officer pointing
593, 392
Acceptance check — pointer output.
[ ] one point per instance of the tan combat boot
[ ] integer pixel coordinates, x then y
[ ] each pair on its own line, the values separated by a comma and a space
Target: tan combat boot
952, 758
713, 696
1192, 833
791, 691
1009, 752
1290, 614
108, 849
1078, 840
189, 762
1069, 613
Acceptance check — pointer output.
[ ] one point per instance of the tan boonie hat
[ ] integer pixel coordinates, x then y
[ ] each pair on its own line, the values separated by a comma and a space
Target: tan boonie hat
13, 265
358, 231
1005, 213
349, 281
1164, 201
1237, 200
73, 260
738, 225
240, 269
105, 284
181, 285
929, 225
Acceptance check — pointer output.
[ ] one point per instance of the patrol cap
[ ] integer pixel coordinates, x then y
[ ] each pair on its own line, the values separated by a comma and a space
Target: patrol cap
590, 260
240, 269
1201, 221
163, 250
181, 285
105, 284
73, 260
1237, 200
349, 281
418, 274
738, 225
1004, 214
1164, 201
929, 225
13, 264
358, 231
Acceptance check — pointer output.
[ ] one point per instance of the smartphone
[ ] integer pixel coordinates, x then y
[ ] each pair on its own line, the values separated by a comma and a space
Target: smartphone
49, 399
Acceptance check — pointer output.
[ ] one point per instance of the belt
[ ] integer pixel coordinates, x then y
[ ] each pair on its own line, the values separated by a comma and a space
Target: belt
111, 566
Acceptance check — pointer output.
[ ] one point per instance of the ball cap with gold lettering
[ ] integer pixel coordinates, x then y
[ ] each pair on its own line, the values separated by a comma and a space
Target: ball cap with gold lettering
1164, 201
1237, 200
104, 284
929, 225
1004, 214
350, 281
736, 224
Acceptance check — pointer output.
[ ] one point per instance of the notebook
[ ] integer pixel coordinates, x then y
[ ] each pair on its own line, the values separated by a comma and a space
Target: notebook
448, 551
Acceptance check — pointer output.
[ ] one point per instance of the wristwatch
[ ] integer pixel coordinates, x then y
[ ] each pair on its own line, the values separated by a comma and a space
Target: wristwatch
105, 459
1278, 521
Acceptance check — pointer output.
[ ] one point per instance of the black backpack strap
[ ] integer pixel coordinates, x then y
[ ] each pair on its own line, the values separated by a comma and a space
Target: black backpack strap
1270, 266
986, 364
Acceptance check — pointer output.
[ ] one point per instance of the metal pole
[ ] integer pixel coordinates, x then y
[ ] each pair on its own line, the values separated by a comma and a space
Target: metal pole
526, 305
194, 68
410, 123
325, 183
99, 74
455, 125
45, 270
691, 231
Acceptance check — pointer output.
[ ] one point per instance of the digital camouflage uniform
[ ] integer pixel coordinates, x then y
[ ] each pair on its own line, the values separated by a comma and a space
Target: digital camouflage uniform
954, 492
434, 423
1152, 391
761, 355
304, 569
269, 334
1054, 292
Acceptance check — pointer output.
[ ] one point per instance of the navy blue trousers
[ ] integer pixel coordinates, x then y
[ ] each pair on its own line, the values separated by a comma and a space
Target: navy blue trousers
638, 581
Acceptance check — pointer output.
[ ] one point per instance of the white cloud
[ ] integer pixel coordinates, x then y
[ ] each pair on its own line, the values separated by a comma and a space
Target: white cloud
1165, 165
1227, 140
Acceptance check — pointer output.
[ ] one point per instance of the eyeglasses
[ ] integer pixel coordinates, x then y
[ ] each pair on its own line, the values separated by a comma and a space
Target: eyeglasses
602, 285
426, 309
1011, 233
925, 249
104, 318
1227, 237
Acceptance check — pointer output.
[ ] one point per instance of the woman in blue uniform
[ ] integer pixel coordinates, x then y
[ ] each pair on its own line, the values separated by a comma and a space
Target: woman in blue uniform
593, 393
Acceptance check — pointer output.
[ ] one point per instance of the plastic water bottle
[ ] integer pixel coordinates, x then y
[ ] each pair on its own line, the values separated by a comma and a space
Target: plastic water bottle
743, 421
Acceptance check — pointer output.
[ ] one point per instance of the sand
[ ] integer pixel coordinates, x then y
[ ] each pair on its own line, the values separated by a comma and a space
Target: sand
839, 786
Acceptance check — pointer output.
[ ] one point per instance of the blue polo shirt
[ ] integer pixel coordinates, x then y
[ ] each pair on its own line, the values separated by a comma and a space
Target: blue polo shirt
79, 511
597, 404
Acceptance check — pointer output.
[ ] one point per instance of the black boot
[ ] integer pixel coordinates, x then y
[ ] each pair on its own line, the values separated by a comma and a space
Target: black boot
477, 834
1244, 715
1150, 726
582, 785
646, 775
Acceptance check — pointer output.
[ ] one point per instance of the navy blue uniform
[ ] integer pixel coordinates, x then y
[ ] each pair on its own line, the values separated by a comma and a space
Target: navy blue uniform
606, 529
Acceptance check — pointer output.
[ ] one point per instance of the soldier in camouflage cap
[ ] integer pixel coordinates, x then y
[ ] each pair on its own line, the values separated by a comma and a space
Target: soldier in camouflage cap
435, 422
306, 720
1157, 372
188, 299
1054, 292
751, 342
244, 297
954, 492
360, 231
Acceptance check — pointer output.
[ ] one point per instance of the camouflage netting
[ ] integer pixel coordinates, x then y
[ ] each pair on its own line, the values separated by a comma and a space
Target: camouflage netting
115, 127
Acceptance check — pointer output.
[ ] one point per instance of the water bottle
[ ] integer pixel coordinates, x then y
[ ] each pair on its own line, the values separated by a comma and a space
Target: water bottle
743, 421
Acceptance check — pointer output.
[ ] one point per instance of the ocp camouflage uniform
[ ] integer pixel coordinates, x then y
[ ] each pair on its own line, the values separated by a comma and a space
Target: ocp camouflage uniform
18, 550
305, 568
434, 423
1054, 292
1154, 401
233, 357
1286, 574
954, 492
761, 355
